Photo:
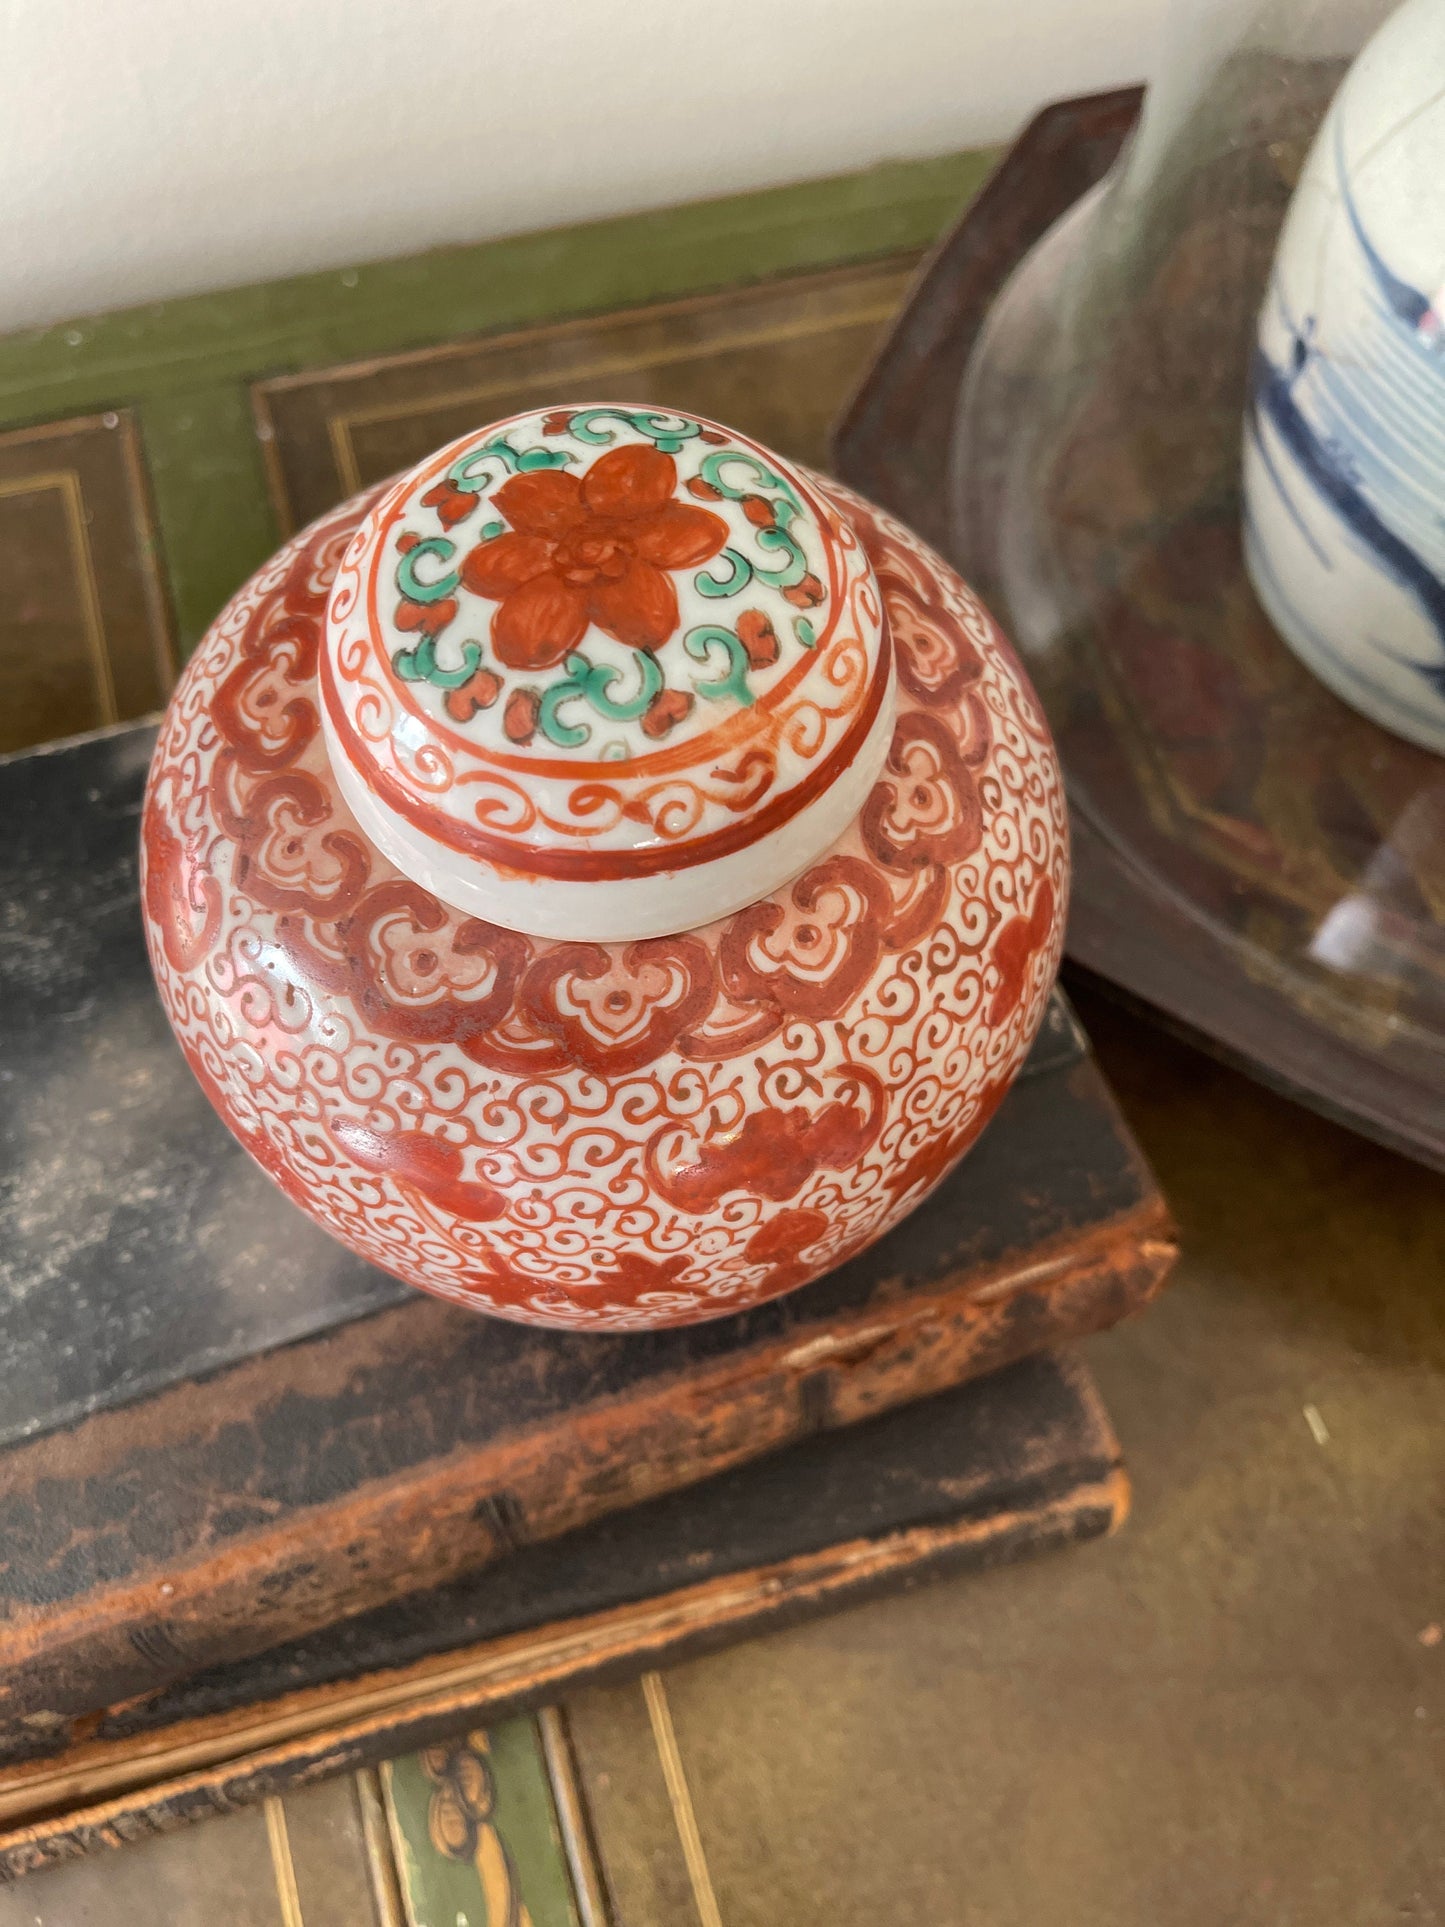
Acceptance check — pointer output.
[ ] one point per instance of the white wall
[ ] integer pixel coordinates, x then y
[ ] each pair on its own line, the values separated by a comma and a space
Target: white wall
156, 147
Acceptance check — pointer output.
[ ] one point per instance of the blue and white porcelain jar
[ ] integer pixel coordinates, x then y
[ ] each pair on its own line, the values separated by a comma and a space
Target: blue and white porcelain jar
1344, 455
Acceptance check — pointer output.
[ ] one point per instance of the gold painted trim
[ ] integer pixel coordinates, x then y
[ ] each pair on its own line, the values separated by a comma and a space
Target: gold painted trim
858, 277
282, 1865
381, 1867
680, 1799
343, 454
339, 427
143, 525
67, 482
477, 1683
263, 421
398, 1843
573, 1824
798, 330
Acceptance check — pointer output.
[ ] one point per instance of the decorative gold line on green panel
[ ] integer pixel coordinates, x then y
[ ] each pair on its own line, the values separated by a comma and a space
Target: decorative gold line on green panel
684, 1814
185, 367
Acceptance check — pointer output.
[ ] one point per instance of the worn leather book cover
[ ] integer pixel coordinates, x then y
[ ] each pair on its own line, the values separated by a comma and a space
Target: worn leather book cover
1017, 1461
220, 1432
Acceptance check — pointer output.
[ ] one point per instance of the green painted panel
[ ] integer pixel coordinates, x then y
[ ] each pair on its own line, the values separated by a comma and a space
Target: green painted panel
184, 367
209, 488
337, 316
475, 1833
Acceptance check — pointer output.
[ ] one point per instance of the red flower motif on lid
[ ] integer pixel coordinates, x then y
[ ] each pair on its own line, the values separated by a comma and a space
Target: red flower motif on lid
452, 505
593, 549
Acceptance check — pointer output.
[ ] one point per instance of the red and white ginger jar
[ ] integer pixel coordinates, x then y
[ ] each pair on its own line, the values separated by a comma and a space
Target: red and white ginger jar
609, 876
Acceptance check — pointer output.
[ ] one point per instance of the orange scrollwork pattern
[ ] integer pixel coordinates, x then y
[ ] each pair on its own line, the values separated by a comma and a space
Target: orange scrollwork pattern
608, 1136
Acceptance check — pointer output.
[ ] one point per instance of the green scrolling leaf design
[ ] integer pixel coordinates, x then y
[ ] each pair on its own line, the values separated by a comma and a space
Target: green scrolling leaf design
565, 735
421, 665
668, 433
718, 471
741, 571
411, 584
600, 679
716, 588
787, 573
594, 683
700, 643
712, 467
475, 470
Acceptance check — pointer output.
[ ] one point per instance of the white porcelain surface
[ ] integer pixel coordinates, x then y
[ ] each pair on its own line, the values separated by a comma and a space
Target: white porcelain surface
606, 673
1344, 465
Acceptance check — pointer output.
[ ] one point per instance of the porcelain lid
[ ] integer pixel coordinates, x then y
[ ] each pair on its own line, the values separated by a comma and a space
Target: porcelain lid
605, 673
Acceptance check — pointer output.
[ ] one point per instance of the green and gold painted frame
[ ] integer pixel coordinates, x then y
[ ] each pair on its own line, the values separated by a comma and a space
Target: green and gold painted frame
193, 433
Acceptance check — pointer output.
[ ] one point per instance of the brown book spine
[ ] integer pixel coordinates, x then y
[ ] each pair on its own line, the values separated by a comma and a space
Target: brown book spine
244, 1593
1011, 1467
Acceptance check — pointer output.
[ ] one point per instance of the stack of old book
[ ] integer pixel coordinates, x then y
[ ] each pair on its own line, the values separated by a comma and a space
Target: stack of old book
267, 1512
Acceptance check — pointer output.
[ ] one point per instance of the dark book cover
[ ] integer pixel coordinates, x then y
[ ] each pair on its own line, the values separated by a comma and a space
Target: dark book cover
1011, 1464
220, 1432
